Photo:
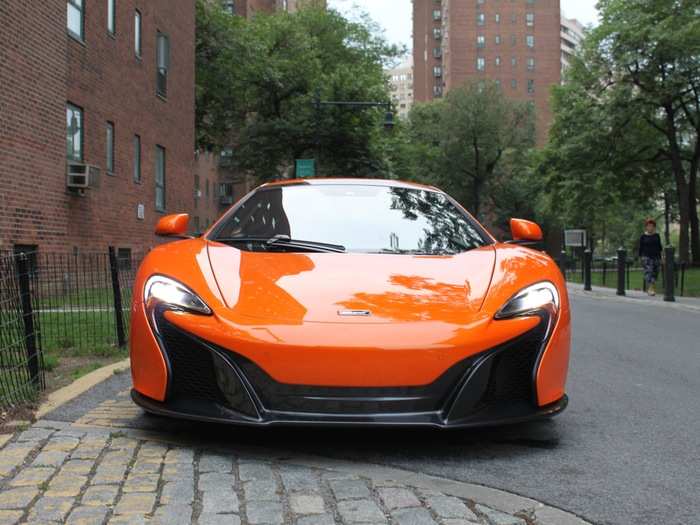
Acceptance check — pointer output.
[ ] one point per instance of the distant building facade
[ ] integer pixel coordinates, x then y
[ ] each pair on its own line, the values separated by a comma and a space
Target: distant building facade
401, 85
572, 33
97, 127
515, 43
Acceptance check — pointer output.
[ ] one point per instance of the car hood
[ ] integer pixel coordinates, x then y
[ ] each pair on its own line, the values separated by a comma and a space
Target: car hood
294, 288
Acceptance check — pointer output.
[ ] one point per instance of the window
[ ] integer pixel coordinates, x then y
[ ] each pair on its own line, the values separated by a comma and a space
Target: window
110, 147
514, 84
160, 178
498, 61
437, 33
437, 14
513, 40
74, 133
162, 63
76, 15
530, 86
530, 39
531, 64
480, 19
498, 84
437, 91
437, 71
481, 41
229, 6
437, 52
498, 18
396, 220
481, 64
137, 159
514, 62
498, 40
530, 19
111, 16
124, 258
137, 33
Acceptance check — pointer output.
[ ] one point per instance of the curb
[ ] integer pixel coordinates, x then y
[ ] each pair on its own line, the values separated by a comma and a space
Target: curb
500, 500
596, 294
79, 386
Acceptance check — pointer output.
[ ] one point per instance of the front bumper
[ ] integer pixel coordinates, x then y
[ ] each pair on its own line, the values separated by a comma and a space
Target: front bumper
209, 383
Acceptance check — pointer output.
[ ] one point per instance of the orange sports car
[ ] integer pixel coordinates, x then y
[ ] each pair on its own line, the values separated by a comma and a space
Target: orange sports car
344, 302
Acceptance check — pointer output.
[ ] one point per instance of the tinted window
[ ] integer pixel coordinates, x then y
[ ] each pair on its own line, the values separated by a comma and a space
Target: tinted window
367, 219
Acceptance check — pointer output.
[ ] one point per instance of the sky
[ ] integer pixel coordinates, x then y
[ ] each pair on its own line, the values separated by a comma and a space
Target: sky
395, 15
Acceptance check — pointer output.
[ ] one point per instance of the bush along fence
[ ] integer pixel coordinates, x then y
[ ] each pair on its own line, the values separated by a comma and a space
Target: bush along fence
625, 273
59, 303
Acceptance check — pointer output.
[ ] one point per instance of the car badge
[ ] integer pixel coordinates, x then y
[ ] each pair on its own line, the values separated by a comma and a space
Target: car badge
354, 313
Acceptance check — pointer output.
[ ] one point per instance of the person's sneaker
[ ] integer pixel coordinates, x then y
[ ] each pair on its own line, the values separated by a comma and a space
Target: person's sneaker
652, 290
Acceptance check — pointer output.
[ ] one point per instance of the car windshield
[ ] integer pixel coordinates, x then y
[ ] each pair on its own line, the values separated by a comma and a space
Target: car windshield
350, 218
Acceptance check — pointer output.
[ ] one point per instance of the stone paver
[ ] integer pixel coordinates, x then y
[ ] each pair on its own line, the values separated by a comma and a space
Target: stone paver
85, 474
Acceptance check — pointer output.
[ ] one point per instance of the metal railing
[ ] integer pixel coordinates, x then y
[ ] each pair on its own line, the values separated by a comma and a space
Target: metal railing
626, 273
54, 303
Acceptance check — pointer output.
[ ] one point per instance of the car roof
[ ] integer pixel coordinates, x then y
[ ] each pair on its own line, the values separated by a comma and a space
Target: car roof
352, 182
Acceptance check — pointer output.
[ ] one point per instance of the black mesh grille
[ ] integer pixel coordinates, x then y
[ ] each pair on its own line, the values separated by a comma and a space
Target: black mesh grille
192, 368
511, 377
348, 400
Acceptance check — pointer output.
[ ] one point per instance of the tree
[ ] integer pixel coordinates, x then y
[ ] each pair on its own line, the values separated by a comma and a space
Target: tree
646, 54
257, 82
461, 141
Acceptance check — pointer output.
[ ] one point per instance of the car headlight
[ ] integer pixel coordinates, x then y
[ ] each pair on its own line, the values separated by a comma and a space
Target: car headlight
175, 295
529, 301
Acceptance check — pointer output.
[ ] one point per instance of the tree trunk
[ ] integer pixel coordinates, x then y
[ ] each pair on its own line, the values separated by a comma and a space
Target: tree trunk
693, 207
681, 184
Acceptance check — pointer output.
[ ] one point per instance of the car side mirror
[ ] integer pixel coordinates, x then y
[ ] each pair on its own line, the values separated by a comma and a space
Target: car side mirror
525, 232
173, 225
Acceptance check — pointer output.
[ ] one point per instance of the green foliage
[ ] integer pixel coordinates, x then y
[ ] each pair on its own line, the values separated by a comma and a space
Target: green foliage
257, 82
627, 120
470, 142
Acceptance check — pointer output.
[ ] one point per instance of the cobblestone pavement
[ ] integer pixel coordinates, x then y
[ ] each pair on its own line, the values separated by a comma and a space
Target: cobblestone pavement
92, 472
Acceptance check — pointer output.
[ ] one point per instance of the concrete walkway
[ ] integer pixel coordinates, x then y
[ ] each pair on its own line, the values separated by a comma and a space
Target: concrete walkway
637, 297
98, 470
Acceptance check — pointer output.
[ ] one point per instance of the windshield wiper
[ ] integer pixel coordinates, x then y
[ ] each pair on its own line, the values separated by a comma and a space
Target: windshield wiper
285, 240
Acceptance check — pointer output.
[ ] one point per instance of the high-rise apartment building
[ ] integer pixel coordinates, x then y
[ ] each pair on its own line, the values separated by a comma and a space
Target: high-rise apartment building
515, 43
572, 32
401, 85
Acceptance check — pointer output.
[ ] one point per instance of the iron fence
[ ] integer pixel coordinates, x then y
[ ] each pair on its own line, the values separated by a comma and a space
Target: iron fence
605, 270
58, 303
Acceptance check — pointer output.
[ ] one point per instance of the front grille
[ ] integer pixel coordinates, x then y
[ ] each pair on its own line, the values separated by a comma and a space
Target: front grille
281, 397
512, 371
191, 366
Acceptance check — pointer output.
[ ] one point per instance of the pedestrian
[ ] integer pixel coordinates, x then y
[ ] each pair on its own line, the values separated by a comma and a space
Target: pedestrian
650, 252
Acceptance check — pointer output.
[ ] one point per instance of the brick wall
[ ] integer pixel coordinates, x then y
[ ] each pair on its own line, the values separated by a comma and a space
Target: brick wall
33, 207
103, 76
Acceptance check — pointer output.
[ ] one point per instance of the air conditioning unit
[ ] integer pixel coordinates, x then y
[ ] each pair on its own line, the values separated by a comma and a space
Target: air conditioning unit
81, 176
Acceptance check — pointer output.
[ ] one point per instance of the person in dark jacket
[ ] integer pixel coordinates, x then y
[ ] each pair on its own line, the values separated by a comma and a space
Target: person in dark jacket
650, 252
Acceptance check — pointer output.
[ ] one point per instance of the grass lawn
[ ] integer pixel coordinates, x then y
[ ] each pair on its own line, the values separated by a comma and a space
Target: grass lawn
691, 288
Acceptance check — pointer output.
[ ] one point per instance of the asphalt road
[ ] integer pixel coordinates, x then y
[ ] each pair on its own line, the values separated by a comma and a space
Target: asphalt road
627, 451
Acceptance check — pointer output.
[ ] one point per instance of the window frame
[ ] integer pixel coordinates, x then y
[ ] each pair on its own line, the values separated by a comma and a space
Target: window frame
112, 17
160, 182
110, 142
77, 109
138, 33
80, 6
162, 64
137, 174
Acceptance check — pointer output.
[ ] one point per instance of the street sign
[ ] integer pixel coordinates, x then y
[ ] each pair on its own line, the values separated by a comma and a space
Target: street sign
575, 238
306, 168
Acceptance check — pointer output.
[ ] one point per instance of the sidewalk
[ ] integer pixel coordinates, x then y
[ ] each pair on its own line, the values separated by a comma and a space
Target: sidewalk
101, 469
636, 297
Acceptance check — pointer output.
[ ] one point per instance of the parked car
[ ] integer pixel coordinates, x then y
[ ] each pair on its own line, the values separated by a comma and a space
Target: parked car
350, 302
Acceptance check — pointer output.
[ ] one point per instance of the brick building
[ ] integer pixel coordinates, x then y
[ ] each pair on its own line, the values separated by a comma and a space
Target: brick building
515, 43
103, 90
401, 85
